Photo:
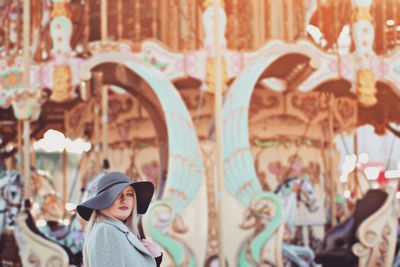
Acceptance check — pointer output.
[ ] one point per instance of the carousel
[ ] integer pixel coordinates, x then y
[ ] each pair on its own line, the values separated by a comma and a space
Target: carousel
269, 128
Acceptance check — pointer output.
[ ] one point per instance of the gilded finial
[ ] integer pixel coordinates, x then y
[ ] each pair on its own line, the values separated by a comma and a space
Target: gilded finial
210, 3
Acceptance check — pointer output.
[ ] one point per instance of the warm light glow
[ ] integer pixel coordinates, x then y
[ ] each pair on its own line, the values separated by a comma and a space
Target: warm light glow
363, 158
275, 84
315, 33
41, 223
391, 174
372, 173
35, 206
70, 206
55, 141
344, 41
390, 22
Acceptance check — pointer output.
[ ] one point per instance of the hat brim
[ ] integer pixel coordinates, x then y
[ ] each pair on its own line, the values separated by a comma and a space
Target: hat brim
143, 190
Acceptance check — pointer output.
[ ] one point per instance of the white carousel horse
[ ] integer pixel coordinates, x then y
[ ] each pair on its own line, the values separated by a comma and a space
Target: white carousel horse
35, 249
294, 191
72, 235
10, 197
51, 209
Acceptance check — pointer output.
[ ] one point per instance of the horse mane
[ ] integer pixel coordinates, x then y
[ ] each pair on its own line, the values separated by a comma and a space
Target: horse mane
284, 183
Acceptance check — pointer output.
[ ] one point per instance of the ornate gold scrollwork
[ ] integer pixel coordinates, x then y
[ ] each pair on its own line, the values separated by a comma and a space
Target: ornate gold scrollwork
210, 73
60, 9
209, 3
62, 83
366, 87
361, 13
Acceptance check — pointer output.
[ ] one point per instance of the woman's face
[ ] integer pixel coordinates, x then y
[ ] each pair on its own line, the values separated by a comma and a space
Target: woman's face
123, 205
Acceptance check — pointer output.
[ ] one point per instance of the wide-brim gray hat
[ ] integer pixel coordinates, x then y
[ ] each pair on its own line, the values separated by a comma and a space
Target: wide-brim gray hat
108, 189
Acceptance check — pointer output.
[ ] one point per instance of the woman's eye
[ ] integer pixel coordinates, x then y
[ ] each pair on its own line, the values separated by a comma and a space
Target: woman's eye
129, 194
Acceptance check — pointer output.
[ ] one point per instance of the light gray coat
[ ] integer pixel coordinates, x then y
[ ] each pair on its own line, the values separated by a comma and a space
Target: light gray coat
110, 243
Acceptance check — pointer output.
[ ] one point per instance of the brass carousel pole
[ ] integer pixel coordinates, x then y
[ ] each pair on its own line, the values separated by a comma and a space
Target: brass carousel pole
65, 171
19, 142
395, 16
65, 178
97, 82
154, 24
356, 184
120, 25
26, 129
137, 20
104, 88
86, 30
104, 18
331, 174
104, 120
218, 128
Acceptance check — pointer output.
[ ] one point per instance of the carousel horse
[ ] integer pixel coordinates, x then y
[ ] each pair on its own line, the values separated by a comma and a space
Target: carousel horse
71, 235
11, 193
51, 209
367, 238
35, 249
292, 192
41, 186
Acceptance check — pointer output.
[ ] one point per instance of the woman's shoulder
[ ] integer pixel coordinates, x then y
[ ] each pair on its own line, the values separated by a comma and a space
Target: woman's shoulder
106, 230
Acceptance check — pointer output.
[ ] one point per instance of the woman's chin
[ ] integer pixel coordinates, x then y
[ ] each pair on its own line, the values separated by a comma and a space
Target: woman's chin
121, 217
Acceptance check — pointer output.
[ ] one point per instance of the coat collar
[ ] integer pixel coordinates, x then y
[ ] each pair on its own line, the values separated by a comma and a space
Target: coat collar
135, 242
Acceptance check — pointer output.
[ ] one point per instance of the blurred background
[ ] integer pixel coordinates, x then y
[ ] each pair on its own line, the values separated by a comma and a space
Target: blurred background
263, 124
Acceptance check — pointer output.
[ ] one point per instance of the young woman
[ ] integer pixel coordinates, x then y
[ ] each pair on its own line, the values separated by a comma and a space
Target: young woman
112, 237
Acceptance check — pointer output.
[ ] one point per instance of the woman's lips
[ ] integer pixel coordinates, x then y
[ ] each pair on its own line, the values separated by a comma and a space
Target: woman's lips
123, 208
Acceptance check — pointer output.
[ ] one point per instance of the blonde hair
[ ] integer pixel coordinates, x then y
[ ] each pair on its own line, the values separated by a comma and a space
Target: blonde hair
130, 222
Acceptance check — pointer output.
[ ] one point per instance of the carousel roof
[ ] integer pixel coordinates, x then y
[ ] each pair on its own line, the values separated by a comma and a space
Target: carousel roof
311, 55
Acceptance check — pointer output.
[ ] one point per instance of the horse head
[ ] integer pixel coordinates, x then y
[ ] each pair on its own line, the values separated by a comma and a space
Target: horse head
53, 208
304, 190
307, 195
12, 194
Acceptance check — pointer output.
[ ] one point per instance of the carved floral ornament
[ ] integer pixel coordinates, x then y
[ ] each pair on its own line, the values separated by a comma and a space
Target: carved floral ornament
99, 47
27, 106
311, 107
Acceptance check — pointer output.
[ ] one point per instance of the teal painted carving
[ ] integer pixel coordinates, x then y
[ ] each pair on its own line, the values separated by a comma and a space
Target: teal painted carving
159, 224
185, 167
267, 213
